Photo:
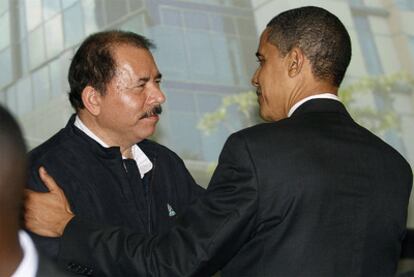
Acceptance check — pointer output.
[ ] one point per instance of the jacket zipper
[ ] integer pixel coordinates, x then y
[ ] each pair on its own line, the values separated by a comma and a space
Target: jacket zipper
149, 197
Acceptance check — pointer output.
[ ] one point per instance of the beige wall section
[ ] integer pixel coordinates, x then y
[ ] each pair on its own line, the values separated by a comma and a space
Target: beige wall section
388, 54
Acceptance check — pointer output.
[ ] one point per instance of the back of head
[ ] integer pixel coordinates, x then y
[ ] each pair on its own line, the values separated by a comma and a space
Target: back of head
93, 64
320, 35
12, 164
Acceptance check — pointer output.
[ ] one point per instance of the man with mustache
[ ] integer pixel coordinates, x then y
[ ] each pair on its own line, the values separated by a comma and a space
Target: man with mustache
311, 193
108, 169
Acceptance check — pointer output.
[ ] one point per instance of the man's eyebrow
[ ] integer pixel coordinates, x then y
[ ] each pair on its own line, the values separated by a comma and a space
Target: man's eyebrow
146, 79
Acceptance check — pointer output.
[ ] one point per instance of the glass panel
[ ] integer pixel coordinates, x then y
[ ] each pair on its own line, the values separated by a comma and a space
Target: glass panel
6, 75
4, 5
41, 87
33, 13
186, 140
24, 96
135, 4
412, 47
93, 15
135, 24
36, 47
5, 30
73, 25
22, 20
196, 20
11, 99
68, 3
24, 57
50, 8
115, 9
171, 17
201, 64
53, 29
180, 101
170, 54
246, 27
221, 23
223, 60
56, 78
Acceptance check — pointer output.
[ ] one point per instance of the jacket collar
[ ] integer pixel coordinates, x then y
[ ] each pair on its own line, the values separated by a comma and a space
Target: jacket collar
321, 106
110, 153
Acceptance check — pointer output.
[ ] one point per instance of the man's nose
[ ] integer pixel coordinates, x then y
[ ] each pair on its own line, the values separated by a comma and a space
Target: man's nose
254, 81
157, 95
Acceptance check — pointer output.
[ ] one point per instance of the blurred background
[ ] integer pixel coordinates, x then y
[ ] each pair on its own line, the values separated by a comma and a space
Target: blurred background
206, 52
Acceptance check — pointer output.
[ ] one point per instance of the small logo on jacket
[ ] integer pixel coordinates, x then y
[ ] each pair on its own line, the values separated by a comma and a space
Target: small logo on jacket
171, 211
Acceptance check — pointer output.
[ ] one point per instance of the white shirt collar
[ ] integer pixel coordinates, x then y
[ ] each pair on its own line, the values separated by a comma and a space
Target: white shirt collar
317, 96
143, 162
28, 266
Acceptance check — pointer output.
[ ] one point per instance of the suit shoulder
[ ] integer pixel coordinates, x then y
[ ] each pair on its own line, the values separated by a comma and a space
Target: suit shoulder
50, 147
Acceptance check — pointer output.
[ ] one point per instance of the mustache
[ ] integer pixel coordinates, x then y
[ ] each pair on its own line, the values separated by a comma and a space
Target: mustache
258, 91
154, 110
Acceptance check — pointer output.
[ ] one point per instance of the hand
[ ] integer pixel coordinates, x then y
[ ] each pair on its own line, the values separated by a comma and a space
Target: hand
47, 213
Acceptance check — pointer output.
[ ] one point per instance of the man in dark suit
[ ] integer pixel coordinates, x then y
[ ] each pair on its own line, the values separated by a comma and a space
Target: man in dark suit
18, 256
310, 194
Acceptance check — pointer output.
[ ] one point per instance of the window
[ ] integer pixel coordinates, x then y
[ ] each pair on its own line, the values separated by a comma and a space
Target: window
50, 8
73, 25
54, 43
5, 30
6, 65
36, 47
33, 13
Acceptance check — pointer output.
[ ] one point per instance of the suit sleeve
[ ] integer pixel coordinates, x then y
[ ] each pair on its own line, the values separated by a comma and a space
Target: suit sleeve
48, 246
205, 238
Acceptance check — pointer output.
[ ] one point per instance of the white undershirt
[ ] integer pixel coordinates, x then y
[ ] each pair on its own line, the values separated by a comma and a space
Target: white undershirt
317, 96
143, 162
29, 264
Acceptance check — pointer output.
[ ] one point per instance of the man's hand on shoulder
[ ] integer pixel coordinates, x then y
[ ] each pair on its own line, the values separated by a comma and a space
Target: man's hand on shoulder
47, 213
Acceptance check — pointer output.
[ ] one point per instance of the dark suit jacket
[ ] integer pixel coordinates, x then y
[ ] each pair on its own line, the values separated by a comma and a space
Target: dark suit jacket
102, 187
47, 268
311, 195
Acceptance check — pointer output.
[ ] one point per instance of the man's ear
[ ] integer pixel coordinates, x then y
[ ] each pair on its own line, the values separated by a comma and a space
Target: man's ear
295, 61
91, 99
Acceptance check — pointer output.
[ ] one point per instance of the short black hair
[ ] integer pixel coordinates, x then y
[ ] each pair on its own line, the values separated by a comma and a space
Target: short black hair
93, 63
319, 34
13, 170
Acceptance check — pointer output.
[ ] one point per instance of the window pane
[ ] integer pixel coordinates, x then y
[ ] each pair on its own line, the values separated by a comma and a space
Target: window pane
41, 87
115, 9
5, 30
170, 54
93, 15
56, 78
68, 3
196, 20
4, 5
135, 24
11, 99
73, 25
33, 13
24, 96
36, 47
50, 8
135, 4
171, 17
53, 29
201, 63
6, 76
